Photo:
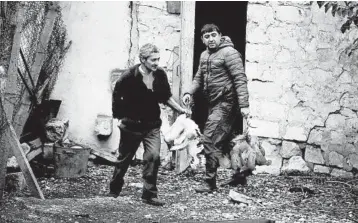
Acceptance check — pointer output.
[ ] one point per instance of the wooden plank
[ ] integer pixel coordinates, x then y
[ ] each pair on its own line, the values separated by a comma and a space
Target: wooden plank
187, 44
176, 80
33, 153
3, 161
186, 68
23, 113
105, 155
12, 89
3, 149
36, 143
8, 90
23, 163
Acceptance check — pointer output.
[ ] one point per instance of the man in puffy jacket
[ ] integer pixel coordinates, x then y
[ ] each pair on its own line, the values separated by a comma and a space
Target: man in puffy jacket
222, 79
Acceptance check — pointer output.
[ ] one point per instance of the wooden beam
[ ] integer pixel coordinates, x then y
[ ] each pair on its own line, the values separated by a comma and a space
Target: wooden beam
23, 163
176, 80
12, 140
182, 157
23, 113
32, 154
9, 88
12, 89
3, 163
187, 44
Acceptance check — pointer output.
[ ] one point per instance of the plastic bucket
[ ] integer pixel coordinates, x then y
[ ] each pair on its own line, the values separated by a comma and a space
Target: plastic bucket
70, 162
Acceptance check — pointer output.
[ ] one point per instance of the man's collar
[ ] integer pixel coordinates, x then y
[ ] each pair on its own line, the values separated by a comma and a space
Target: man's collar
137, 72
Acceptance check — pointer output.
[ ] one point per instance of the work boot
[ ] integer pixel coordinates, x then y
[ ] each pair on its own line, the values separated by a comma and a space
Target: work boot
238, 178
113, 194
207, 187
235, 180
153, 201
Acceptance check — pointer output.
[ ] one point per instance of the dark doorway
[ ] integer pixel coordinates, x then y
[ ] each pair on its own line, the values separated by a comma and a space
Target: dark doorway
231, 18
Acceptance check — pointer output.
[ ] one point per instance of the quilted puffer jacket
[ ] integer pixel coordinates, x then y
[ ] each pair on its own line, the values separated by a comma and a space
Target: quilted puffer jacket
221, 75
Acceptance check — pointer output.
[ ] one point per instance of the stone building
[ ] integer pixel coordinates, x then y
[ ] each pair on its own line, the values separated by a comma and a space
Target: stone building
302, 84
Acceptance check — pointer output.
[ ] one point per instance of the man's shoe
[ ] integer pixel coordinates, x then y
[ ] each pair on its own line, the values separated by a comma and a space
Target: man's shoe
237, 178
234, 182
153, 201
113, 194
206, 188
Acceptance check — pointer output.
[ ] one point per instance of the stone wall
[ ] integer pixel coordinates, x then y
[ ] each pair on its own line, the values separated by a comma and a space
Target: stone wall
153, 24
302, 85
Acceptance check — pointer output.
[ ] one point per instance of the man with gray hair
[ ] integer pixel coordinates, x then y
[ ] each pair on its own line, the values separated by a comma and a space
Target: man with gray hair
135, 103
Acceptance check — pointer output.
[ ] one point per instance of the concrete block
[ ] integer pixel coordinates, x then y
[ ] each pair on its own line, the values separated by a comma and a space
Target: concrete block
260, 14
314, 155
315, 136
335, 159
321, 169
290, 149
290, 14
341, 173
269, 111
298, 133
353, 158
295, 165
103, 126
272, 152
265, 128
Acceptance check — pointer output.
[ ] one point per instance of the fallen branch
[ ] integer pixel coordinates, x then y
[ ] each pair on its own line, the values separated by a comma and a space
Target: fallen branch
349, 181
333, 181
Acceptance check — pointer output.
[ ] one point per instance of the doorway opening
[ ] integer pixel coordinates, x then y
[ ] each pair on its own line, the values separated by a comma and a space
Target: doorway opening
231, 18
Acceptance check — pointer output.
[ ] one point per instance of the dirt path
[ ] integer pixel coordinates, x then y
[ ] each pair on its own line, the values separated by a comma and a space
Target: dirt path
84, 200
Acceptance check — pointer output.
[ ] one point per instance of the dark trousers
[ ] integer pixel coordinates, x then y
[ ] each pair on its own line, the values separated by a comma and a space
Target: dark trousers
216, 133
129, 143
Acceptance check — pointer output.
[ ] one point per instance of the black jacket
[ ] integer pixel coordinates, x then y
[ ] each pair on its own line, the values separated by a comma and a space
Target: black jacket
133, 102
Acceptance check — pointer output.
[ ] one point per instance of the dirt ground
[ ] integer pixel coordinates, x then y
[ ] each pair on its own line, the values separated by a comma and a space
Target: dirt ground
84, 199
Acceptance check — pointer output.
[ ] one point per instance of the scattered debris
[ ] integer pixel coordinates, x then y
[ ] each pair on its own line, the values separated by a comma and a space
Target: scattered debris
270, 196
301, 189
240, 198
137, 185
15, 182
12, 164
109, 157
56, 129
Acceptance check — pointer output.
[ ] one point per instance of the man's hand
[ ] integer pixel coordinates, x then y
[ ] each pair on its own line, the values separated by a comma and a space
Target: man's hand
186, 99
245, 112
187, 112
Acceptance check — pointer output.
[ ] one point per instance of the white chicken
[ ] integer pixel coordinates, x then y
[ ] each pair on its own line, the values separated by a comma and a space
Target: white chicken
185, 133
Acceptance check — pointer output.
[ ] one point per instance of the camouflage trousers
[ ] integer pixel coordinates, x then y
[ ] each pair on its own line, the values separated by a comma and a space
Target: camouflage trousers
216, 133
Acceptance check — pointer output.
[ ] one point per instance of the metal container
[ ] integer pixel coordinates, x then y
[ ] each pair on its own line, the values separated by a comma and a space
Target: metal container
71, 161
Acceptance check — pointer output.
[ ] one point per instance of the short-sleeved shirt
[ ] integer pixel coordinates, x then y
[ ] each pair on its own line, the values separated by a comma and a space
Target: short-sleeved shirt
133, 102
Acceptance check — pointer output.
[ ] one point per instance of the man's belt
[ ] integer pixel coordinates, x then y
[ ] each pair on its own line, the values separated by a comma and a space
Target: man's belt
140, 125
